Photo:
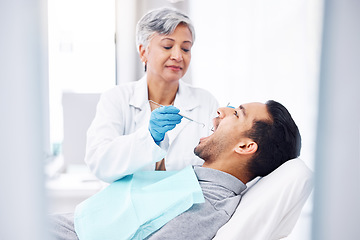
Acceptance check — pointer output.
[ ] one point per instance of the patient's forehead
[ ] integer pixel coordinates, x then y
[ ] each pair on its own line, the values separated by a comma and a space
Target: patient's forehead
255, 111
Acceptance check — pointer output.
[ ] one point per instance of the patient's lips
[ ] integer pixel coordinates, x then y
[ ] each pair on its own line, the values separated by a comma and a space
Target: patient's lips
203, 139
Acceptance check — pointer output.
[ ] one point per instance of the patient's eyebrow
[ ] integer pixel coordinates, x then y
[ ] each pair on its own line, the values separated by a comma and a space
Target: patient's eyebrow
243, 110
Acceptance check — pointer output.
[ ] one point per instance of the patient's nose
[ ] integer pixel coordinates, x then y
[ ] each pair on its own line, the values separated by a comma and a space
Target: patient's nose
223, 111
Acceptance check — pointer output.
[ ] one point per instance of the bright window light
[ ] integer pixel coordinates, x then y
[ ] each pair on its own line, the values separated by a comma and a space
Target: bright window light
81, 52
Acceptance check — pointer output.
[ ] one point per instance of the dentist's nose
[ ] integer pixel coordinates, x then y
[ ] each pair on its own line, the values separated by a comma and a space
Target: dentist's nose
176, 54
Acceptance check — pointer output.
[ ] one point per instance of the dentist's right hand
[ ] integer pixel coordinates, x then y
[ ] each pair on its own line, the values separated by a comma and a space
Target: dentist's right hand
163, 119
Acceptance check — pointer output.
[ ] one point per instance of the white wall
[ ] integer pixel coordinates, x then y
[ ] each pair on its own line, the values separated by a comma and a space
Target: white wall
259, 50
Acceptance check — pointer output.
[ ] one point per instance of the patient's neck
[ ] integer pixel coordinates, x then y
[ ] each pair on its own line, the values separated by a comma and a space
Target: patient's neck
237, 170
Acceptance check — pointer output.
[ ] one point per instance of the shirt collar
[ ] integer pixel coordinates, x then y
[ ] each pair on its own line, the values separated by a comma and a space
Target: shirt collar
219, 178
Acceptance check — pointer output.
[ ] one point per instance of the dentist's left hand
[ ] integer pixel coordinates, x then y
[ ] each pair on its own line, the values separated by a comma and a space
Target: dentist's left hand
163, 119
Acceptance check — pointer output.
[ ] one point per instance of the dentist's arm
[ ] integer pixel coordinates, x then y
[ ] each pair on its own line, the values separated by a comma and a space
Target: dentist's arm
114, 148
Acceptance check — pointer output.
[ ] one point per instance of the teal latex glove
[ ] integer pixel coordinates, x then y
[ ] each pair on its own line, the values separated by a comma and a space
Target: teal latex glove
163, 119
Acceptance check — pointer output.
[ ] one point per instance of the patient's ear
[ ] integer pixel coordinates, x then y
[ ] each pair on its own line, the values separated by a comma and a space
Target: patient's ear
246, 147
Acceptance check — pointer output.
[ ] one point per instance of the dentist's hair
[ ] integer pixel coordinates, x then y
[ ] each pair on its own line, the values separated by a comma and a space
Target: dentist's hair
278, 140
161, 21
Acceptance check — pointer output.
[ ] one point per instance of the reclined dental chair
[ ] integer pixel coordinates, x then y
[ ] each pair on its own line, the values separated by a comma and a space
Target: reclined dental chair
270, 208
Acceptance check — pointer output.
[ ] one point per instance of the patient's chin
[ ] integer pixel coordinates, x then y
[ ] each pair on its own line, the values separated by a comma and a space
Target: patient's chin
197, 151
201, 152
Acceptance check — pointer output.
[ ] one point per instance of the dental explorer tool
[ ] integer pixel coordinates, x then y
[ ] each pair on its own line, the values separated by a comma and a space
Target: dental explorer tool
192, 120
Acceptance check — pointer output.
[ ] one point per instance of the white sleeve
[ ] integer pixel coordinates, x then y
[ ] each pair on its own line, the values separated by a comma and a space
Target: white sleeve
110, 154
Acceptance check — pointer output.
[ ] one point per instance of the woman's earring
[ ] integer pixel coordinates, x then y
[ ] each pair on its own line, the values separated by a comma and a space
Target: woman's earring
145, 66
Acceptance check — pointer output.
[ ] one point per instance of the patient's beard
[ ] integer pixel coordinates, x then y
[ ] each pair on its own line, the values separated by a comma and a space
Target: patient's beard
208, 151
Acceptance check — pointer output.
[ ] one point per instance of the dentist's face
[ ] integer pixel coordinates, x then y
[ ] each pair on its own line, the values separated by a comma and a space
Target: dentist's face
168, 56
231, 126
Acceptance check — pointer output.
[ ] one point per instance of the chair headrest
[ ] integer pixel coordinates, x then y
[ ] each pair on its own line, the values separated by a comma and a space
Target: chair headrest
271, 206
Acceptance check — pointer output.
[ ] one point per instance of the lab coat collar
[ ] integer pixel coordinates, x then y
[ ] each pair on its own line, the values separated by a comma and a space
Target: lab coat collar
139, 98
184, 100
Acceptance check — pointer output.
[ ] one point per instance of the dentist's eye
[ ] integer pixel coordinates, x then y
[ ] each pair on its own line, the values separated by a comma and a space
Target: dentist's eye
236, 114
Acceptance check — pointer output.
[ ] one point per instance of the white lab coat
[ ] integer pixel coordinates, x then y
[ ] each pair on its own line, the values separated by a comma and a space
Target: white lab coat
119, 142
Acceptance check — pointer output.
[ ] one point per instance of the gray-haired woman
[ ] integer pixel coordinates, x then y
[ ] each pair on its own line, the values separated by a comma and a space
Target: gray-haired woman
130, 131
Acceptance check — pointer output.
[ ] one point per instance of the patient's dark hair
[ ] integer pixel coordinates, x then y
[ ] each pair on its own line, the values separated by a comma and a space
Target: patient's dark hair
278, 140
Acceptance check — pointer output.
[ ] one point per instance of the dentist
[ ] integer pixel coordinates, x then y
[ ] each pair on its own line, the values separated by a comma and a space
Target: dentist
129, 132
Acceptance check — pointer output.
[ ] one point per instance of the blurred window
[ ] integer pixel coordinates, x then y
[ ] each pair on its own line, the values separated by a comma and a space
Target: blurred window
81, 53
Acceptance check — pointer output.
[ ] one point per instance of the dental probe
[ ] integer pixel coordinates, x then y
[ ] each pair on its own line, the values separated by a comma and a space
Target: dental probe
192, 120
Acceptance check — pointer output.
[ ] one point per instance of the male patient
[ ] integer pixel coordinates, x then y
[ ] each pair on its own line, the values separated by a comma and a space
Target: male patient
249, 141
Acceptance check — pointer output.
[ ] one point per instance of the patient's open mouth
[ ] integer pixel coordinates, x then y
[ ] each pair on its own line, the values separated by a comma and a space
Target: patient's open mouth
213, 129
